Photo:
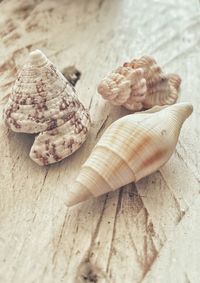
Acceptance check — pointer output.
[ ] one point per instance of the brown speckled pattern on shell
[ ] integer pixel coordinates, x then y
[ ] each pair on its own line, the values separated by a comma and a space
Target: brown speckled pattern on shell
140, 84
44, 102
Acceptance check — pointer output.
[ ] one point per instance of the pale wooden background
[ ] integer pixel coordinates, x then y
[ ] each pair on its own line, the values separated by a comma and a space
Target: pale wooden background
143, 233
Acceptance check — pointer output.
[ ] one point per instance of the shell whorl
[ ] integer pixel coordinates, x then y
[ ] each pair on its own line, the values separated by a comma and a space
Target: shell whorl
43, 101
130, 149
140, 84
37, 58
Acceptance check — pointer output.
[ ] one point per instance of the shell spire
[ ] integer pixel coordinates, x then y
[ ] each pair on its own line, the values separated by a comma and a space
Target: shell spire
140, 84
37, 58
45, 103
130, 149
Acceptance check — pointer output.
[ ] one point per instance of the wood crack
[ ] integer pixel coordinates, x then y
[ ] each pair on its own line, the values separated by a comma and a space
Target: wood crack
102, 127
59, 238
90, 104
114, 227
87, 271
97, 227
154, 260
42, 186
100, 4
187, 280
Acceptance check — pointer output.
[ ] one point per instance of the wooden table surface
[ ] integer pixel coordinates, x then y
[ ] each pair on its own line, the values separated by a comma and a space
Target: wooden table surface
147, 232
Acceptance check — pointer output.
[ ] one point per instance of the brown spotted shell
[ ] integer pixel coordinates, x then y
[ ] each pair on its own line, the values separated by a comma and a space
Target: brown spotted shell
140, 84
44, 102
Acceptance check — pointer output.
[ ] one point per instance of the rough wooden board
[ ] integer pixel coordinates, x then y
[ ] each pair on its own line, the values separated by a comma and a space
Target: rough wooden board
148, 232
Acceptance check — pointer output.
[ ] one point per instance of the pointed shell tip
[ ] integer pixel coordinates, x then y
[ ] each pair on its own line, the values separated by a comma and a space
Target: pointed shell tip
190, 108
79, 193
37, 57
185, 107
70, 200
36, 53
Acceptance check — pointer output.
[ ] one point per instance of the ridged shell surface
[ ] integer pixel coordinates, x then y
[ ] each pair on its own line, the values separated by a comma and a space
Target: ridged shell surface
43, 101
140, 84
131, 148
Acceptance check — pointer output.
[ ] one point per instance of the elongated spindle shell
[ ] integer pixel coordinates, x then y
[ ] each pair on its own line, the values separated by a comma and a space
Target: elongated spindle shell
130, 149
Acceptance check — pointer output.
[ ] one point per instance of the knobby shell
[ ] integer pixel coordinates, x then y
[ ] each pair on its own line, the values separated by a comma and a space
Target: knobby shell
140, 84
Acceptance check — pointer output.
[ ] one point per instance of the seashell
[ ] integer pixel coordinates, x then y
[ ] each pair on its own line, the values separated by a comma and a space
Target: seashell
44, 102
130, 149
140, 84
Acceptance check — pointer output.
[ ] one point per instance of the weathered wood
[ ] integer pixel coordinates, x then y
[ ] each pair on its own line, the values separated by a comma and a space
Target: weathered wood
143, 233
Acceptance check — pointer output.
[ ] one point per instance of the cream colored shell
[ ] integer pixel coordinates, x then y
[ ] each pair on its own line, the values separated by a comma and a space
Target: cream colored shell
130, 149
43, 101
140, 84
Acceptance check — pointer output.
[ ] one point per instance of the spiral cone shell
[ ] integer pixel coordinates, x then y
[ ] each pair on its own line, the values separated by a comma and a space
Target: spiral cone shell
43, 101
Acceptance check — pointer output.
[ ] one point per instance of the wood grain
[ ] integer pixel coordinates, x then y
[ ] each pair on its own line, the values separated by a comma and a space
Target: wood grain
143, 233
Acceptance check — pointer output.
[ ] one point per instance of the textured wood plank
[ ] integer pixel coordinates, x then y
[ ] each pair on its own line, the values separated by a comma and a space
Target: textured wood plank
145, 232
